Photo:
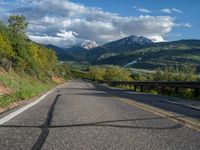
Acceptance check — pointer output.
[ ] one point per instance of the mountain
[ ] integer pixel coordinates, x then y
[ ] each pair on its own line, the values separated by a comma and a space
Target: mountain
129, 43
120, 46
157, 55
137, 52
91, 51
89, 45
74, 53
61, 53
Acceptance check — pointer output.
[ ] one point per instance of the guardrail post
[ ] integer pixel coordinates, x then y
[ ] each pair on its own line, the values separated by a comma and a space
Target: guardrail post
141, 88
130, 86
135, 87
8, 66
176, 90
161, 90
196, 92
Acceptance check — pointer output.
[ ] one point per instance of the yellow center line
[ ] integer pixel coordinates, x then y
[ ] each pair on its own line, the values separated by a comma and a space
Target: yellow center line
185, 122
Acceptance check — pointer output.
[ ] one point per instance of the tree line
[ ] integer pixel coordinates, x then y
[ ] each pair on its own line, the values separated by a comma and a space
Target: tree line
184, 72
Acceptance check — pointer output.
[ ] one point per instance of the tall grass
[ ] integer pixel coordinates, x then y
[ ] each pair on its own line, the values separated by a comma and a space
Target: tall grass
22, 87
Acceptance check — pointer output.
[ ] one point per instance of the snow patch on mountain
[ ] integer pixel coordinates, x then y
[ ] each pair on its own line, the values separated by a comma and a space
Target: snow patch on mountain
136, 39
89, 44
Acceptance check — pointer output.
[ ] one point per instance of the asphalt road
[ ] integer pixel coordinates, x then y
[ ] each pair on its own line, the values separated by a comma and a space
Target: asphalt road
87, 116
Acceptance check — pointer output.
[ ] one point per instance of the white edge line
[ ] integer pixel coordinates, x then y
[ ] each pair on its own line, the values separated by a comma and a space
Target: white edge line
17, 112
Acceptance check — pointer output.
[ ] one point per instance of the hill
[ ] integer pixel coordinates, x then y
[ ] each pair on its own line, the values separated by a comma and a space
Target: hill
61, 53
158, 54
139, 52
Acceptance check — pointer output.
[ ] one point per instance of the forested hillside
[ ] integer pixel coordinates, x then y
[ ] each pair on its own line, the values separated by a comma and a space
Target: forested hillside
26, 68
25, 55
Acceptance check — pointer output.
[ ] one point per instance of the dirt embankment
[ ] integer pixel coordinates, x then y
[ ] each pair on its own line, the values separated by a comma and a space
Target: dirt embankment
58, 80
4, 90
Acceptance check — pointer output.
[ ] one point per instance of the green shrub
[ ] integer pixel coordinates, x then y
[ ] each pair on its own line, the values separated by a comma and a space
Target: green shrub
185, 72
117, 74
108, 73
96, 73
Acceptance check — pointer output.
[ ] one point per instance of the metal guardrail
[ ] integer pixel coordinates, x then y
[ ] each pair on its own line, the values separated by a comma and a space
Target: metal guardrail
161, 85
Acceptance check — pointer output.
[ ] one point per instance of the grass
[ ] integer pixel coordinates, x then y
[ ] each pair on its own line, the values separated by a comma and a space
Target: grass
22, 86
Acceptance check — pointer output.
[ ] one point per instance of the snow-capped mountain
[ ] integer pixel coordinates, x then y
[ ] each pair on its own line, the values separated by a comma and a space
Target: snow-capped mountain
140, 40
89, 44
130, 41
90, 50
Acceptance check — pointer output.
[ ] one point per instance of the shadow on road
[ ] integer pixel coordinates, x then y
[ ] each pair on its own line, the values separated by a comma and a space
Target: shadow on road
152, 100
107, 123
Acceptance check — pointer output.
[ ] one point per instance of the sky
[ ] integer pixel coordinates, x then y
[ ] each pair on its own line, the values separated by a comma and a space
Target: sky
68, 22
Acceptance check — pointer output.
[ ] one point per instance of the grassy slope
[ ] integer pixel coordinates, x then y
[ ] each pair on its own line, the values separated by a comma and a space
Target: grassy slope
22, 87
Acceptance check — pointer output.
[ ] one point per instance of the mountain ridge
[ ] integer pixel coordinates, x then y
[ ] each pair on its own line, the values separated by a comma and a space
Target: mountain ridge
152, 55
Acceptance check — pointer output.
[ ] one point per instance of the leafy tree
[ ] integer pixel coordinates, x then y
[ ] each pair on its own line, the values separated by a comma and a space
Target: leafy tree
18, 24
6, 50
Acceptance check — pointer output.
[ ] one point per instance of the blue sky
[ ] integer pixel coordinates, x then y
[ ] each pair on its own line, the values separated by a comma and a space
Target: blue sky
190, 13
68, 22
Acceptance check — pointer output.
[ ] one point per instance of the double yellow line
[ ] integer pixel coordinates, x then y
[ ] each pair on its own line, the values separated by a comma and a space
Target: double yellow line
185, 122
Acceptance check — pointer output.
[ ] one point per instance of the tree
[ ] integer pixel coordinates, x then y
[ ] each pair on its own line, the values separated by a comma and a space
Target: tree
18, 24
6, 50
109, 73
115, 73
96, 73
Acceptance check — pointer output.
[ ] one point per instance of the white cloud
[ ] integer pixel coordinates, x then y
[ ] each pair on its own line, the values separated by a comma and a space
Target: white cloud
45, 39
143, 10
169, 11
177, 10
187, 25
64, 23
156, 38
166, 10
67, 34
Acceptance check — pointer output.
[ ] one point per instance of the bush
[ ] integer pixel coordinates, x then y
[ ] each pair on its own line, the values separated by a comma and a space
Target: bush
96, 73
108, 73
117, 74
185, 72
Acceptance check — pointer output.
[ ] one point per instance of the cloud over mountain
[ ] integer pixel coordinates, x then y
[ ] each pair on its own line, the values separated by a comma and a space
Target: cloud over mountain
63, 23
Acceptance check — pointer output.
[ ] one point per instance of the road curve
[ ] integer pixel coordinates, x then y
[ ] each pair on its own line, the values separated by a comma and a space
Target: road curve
87, 116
